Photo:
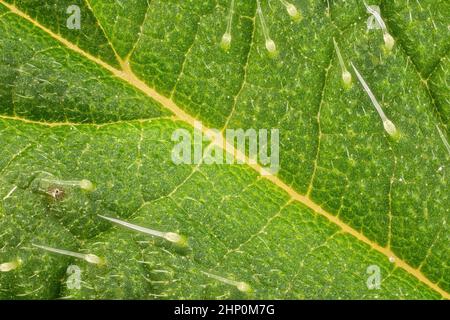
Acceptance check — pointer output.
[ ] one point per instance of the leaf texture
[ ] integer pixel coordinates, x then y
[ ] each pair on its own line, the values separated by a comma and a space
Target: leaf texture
101, 103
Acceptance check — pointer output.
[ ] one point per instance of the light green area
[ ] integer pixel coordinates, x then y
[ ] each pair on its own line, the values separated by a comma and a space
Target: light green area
439, 84
54, 15
239, 225
122, 22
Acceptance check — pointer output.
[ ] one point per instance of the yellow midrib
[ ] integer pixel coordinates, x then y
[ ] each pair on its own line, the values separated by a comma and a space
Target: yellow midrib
127, 75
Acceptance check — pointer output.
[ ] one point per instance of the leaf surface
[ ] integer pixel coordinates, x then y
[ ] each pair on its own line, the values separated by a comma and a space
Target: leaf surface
101, 103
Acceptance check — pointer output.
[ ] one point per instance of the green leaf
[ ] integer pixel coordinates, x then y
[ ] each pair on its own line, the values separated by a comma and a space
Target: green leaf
102, 102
